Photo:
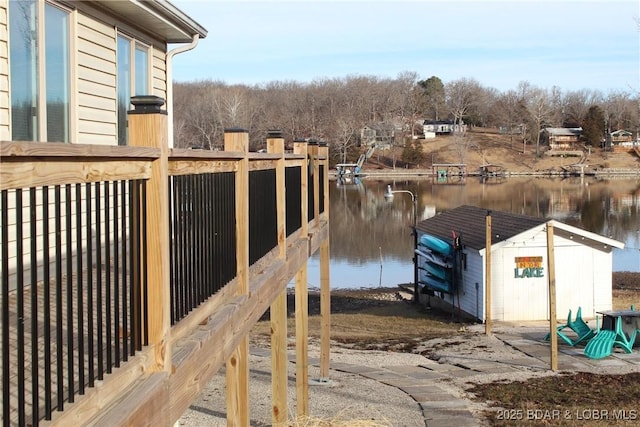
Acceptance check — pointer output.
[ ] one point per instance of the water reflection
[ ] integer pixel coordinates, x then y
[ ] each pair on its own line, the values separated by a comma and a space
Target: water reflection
371, 241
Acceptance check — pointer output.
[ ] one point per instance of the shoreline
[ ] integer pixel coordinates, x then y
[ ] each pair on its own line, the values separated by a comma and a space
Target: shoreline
609, 172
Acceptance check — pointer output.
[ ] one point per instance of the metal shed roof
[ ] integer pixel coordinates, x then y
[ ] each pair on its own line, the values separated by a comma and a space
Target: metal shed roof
469, 223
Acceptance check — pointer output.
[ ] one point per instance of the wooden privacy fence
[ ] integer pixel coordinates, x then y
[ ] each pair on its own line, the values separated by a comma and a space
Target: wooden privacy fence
130, 275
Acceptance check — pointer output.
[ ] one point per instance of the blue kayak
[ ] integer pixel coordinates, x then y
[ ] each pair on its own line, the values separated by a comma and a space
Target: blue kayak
432, 282
429, 255
436, 270
435, 244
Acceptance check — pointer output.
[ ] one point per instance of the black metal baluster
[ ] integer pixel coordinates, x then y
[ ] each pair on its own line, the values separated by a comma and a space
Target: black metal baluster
124, 293
59, 335
116, 277
197, 241
35, 374
6, 372
47, 302
89, 234
107, 279
20, 308
80, 291
134, 256
69, 283
208, 218
180, 244
189, 244
172, 250
145, 283
99, 301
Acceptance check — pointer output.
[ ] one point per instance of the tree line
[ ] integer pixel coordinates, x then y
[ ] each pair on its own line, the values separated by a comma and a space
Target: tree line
336, 110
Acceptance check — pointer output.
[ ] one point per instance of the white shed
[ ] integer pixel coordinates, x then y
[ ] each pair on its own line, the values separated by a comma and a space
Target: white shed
519, 277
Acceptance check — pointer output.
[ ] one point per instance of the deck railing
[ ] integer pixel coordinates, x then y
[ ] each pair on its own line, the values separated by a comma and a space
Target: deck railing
101, 289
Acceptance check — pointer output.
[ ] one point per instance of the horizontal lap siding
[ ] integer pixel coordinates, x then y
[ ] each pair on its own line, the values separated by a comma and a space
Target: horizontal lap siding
5, 135
470, 301
159, 73
97, 117
467, 288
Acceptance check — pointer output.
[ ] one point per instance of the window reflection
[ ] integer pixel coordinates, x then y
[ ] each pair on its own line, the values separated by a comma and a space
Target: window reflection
142, 72
133, 77
23, 50
124, 87
57, 73
33, 118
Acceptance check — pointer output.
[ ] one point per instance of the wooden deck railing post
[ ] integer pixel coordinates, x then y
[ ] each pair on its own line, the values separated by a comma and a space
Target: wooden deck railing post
238, 363
325, 287
313, 153
302, 298
278, 311
148, 128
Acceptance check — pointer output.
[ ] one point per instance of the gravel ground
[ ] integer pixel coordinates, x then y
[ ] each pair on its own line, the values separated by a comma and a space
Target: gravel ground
347, 397
352, 399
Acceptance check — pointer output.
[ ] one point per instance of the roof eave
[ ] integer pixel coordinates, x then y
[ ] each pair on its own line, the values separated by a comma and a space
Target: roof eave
571, 230
160, 17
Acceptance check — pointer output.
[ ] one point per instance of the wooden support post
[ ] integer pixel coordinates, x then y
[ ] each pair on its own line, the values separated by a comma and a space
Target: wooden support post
238, 364
278, 311
301, 148
302, 298
487, 284
302, 342
313, 152
551, 268
148, 128
325, 282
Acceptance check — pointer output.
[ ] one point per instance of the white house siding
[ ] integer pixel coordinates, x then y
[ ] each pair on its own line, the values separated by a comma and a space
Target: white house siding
472, 300
159, 73
467, 298
602, 294
584, 279
522, 298
5, 134
97, 118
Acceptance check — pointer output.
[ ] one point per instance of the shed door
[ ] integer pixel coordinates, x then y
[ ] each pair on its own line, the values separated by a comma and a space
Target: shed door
525, 299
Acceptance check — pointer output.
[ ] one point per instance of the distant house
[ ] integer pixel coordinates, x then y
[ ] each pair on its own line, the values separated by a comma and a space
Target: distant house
442, 127
511, 130
560, 138
519, 265
381, 134
621, 140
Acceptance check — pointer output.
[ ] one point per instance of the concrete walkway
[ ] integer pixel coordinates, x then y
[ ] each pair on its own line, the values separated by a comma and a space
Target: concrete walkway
440, 408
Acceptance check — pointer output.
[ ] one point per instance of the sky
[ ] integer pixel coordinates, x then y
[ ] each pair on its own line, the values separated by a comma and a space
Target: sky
571, 44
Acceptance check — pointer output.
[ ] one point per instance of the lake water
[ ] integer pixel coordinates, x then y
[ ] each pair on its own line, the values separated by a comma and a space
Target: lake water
371, 243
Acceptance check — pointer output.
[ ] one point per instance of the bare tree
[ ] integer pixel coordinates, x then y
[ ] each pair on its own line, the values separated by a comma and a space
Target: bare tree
461, 95
510, 113
538, 105
576, 104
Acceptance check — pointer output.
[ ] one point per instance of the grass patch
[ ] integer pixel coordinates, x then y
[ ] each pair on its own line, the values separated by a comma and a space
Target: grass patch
568, 399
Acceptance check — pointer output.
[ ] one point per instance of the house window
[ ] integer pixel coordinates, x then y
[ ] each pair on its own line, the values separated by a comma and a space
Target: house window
133, 78
39, 71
